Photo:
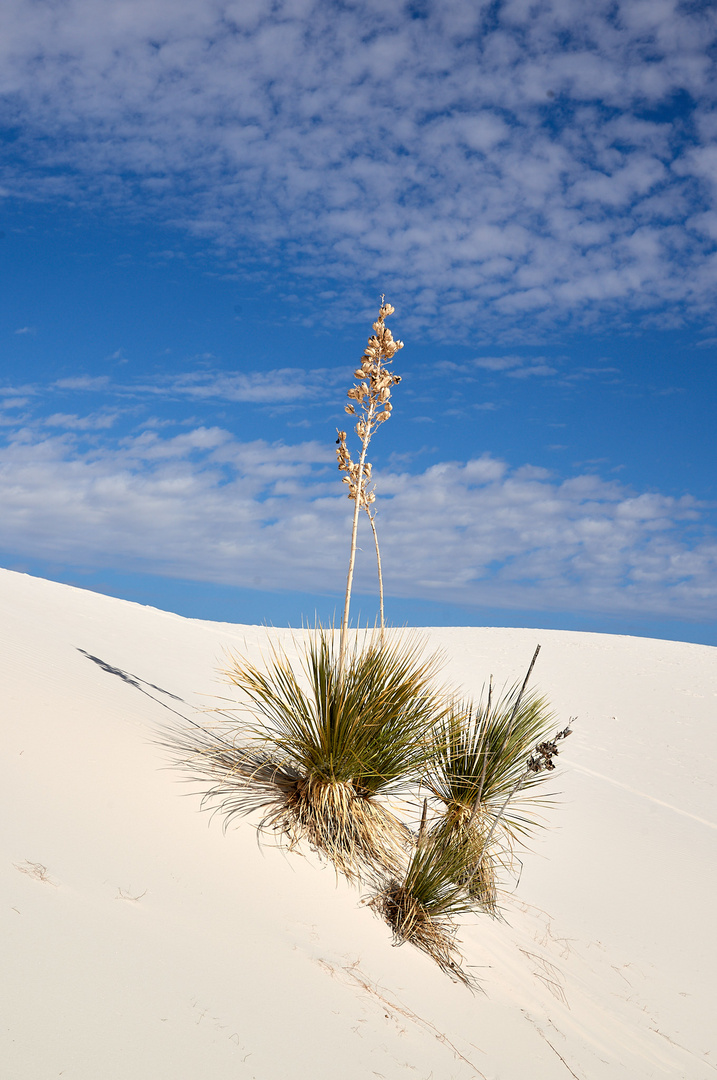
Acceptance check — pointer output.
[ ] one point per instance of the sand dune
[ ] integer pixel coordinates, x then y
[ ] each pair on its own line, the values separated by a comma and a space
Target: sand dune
141, 942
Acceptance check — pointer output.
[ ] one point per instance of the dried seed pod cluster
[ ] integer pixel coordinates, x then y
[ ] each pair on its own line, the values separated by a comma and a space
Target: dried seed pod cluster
373, 391
371, 394
351, 468
543, 754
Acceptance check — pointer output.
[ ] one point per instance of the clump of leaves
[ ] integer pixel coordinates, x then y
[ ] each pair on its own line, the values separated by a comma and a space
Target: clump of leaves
421, 906
319, 751
446, 876
478, 870
479, 776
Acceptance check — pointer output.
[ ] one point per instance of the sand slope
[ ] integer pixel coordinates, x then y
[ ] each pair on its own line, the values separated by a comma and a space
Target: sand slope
152, 946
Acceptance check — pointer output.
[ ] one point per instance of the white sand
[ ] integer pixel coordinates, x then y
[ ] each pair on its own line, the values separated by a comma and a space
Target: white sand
157, 947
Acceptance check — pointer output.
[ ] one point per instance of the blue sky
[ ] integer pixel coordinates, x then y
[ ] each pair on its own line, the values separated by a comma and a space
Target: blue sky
201, 205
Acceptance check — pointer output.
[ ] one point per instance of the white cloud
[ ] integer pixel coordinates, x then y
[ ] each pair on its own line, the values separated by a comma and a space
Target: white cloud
515, 367
83, 382
532, 369
72, 422
277, 386
207, 507
499, 162
280, 385
498, 363
18, 391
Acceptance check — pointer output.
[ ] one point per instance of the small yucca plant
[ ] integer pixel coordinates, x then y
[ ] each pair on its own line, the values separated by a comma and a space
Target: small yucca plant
421, 905
318, 750
478, 773
438, 885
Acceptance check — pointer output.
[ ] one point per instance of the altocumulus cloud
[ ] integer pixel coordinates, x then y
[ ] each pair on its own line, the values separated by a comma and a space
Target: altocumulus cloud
278, 386
495, 161
204, 506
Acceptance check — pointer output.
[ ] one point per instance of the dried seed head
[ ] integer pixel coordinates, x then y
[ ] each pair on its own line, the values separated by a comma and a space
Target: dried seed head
369, 403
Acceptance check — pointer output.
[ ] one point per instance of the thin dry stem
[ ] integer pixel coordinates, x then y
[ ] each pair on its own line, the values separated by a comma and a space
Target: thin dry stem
380, 572
522, 689
352, 555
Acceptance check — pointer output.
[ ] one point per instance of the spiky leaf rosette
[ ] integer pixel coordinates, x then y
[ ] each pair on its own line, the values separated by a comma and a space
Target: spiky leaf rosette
480, 754
316, 747
421, 906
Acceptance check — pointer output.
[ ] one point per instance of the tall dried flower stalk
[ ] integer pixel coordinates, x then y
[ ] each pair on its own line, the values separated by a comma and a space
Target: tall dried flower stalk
369, 401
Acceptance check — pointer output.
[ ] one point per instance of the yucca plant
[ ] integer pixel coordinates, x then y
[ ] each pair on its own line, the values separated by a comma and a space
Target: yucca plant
421, 905
323, 741
319, 751
438, 886
478, 774
323, 746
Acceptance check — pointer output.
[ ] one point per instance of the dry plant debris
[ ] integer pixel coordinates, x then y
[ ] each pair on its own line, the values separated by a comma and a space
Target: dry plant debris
35, 870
